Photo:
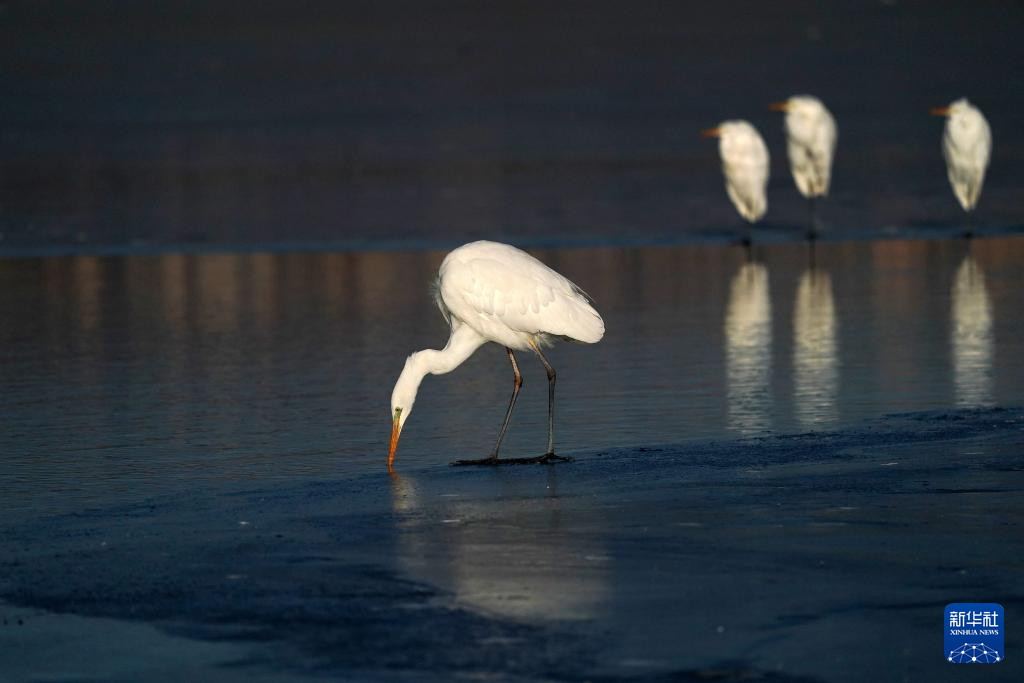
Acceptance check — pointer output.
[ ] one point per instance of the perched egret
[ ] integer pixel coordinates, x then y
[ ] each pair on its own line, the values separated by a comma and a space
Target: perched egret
967, 146
745, 166
811, 143
492, 292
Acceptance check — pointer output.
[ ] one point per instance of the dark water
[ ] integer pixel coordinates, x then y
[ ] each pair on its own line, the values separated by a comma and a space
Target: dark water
779, 559
129, 377
403, 122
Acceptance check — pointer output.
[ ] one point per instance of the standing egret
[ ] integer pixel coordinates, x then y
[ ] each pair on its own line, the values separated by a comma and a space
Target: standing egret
967, 146
745, 166
489, 291
811, 143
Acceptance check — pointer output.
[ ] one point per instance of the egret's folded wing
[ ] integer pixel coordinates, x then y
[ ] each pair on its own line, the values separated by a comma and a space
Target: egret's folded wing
525, 296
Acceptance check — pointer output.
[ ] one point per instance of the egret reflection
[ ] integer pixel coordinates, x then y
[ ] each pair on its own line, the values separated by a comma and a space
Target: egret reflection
469, 545
971, 335
815, 361
748, 349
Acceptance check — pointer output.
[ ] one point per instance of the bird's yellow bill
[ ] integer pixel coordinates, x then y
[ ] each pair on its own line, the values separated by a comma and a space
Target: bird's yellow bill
396, 429
779, 106
939, 111
711, 133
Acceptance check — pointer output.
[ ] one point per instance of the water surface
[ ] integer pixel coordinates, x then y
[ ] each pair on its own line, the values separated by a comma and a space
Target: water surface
398, 122
128, 377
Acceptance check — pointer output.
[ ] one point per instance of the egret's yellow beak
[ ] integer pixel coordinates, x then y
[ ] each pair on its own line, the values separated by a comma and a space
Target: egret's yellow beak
939, 111
396, 429
779, 106
711, 133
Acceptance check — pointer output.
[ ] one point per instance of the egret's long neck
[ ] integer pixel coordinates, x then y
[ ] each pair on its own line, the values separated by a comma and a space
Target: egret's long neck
461, 345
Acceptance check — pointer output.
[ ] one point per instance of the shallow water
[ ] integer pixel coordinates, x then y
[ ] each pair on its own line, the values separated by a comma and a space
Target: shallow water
784, 559
129, 377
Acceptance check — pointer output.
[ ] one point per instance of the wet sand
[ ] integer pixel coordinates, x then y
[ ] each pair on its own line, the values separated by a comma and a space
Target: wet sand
825, 556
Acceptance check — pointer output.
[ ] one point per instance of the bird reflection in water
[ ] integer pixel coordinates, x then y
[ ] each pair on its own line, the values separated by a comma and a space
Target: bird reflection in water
971, 335
748, 349
815, 371
512, 560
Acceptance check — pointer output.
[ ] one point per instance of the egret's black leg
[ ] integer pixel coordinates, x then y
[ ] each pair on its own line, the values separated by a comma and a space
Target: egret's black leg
551, 400
517, 384
550, 455
812, 219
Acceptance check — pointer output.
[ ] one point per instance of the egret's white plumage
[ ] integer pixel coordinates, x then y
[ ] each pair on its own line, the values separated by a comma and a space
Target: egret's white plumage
811, 143
967, 146
492, 292
509, 297
745, 166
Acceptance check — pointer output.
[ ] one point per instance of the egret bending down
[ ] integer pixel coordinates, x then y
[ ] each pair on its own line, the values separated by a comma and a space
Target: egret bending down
745, 166
489, 291
811, 143
967, 146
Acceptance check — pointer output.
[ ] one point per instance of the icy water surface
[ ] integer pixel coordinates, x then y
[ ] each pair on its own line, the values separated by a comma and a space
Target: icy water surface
128, 377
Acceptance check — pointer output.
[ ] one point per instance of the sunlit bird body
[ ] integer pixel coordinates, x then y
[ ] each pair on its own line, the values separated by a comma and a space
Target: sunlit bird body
811, 143
492, 292
745, 162
967, 146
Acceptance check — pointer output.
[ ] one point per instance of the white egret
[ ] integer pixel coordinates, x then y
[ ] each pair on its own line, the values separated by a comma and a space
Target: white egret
967, 146
811, 144
492, 292
745, 166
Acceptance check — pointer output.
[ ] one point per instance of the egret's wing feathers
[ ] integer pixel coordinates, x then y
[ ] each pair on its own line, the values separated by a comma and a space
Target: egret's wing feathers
966, 161
516, 292
435, 292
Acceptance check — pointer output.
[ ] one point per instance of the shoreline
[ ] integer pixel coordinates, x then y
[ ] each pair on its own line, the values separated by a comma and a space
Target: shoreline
770, 235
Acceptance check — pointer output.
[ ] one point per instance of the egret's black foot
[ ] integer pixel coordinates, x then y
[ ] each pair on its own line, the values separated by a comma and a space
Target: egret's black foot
489, 460
812, 235
968, 234
545, 459
745, 241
